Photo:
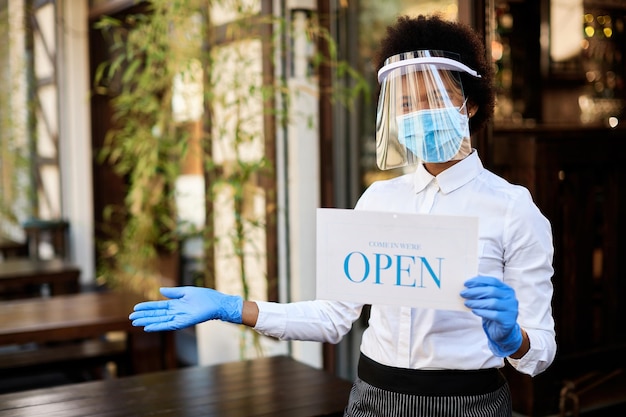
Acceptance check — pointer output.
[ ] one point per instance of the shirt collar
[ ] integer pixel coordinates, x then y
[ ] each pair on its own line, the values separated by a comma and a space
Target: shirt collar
452, 178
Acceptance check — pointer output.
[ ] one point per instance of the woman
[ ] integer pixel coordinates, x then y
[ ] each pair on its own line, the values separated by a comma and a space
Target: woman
436, 89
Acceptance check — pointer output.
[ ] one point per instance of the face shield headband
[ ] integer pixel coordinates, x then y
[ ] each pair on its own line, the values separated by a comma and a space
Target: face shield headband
422, 113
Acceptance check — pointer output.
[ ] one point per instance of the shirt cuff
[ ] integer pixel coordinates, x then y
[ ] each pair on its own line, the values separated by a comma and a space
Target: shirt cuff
536, 360
272, 319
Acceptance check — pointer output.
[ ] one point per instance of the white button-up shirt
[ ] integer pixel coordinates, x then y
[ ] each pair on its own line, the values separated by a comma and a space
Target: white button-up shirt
515, 245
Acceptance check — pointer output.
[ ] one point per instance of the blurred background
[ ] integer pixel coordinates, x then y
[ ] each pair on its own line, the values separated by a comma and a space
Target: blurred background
190, 143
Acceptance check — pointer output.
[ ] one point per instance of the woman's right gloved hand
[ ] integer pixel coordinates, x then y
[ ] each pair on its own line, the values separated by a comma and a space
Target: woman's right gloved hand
187, 306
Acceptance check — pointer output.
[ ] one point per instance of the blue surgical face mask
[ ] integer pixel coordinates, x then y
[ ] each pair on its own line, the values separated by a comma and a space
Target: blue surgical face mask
433, 135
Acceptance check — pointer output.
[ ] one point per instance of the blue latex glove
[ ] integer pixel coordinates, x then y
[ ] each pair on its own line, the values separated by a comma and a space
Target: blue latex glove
495, 302
188, 306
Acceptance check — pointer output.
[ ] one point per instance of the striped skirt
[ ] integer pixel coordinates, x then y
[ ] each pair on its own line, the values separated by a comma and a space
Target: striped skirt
382, 391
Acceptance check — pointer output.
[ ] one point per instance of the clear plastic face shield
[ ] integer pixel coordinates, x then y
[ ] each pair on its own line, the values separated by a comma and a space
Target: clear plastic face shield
422, 112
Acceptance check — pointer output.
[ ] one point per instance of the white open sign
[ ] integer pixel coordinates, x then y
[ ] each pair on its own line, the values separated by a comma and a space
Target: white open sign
416, 260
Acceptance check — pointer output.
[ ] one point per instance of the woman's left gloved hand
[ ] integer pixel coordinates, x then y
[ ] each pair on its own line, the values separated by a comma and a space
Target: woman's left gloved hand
495, 302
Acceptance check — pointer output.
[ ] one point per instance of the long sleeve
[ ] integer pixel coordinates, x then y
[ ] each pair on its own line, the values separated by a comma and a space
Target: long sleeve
528, 269
319, 320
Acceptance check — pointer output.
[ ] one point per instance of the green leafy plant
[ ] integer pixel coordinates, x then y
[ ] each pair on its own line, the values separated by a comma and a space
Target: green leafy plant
15, 146
144, 146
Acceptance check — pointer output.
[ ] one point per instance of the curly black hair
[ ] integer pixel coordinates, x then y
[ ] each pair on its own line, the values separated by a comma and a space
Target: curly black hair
434, 33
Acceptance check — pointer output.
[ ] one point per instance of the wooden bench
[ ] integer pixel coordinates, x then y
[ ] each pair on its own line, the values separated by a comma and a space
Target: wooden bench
67, 357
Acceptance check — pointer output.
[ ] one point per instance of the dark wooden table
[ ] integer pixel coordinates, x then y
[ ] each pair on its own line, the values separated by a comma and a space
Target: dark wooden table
17, 275
273, 386
85, 315
10, 248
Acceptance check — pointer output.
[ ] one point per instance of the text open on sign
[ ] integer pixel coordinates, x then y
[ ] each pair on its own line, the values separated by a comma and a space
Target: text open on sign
416, 260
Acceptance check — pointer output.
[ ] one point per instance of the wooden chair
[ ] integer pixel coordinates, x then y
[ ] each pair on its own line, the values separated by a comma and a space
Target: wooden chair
52, 232
589, 391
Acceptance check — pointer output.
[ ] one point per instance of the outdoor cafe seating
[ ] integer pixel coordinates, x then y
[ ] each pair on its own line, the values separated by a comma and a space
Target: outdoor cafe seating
54, 329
